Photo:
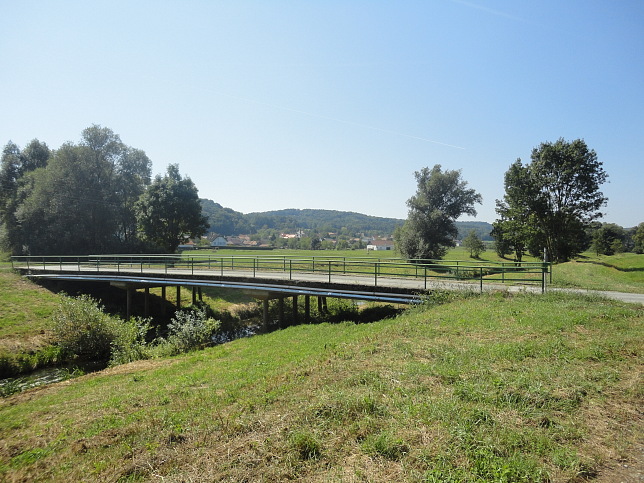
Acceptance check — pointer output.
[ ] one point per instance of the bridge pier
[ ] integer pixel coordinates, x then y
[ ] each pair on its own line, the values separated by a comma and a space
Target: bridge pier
307, 309
280, 307
128, 304
265, 314
295, 314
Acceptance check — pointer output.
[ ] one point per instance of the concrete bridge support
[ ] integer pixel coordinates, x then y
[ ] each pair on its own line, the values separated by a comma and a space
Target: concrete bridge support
307, 309
295, 314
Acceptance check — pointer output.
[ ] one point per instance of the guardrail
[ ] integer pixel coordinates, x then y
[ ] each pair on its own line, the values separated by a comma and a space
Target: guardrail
533, 273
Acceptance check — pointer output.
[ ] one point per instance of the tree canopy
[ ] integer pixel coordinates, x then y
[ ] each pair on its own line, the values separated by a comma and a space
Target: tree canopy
169, 211
83, 198
549, 202
474, 244
430, 228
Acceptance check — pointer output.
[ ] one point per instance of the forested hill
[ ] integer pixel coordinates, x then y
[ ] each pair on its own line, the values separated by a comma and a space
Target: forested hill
225, 221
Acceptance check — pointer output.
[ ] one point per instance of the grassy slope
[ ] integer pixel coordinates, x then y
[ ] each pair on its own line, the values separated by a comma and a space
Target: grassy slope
492, 388
621, 273
25, 309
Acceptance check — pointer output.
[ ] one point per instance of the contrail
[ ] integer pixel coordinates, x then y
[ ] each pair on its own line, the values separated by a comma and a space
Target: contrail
343, 121
489, 10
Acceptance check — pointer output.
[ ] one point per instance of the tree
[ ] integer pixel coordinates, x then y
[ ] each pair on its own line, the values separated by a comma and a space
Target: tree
77, 199
474, 244
133, 175
554, 198
638, 239
71, 208
608, 239
16, 184
430, 228
170, 211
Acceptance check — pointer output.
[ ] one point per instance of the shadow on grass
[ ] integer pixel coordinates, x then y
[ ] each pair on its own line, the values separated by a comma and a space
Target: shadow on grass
608, 265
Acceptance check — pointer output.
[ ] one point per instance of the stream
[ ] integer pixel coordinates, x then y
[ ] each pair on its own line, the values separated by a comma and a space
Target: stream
47, 375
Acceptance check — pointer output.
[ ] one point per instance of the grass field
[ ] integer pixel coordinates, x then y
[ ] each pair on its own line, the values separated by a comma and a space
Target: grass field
488, 387
24, 311
623, 272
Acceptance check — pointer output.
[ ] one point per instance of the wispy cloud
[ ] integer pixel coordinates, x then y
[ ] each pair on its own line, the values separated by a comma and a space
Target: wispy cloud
343, 121
492, 11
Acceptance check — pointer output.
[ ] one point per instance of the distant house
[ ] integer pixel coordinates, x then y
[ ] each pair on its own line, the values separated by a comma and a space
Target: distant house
220, 241
379, 245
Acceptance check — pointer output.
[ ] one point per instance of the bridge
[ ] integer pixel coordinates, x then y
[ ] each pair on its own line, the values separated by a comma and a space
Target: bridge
279, 277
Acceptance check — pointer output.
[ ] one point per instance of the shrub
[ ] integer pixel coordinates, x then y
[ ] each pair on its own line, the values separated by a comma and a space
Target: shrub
82, 329
189, 330
130, 341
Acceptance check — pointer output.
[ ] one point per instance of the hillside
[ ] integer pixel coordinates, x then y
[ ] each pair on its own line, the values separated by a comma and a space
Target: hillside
226, 221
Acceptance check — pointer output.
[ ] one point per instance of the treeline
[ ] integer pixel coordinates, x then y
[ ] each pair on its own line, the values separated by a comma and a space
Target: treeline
227, 222
96, 196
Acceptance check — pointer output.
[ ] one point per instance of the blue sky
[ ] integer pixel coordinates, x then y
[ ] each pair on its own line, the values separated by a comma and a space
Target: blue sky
333, 104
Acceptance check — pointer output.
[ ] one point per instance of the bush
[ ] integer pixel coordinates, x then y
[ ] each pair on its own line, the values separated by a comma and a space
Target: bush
130, 342
83, 330
190, 330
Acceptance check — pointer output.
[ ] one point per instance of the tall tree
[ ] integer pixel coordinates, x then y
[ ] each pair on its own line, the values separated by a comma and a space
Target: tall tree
80, 199
71, 209
16, 184
513, 231
638, 239
440, 199
170, 211
556, 196
133, 175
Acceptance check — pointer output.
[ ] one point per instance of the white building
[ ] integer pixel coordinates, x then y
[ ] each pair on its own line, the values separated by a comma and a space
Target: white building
378, 245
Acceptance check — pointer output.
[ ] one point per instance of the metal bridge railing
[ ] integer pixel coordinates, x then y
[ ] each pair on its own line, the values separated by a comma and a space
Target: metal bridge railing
375, 271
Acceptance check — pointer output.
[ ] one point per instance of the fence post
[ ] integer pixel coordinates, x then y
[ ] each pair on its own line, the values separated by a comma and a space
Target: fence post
254, 266
290, 268
543, 278
375, 271
329, 271
481, 275
425, 277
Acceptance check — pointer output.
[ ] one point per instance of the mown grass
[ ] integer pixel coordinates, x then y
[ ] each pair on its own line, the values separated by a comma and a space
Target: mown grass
622, 272
492, 387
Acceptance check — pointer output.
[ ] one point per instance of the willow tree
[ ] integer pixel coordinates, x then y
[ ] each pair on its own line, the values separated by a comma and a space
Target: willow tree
430, 229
